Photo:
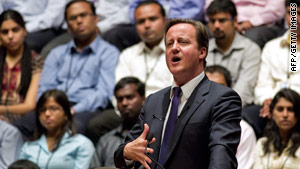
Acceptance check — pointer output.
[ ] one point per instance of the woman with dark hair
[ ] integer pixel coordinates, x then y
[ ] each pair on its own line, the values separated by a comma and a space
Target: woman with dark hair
20, 68
56, 144
280, 148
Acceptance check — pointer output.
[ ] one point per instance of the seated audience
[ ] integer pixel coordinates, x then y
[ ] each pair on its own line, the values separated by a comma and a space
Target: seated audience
233, 51
10, 144
23, 164
55, 144
280, 146
20, 68
245, 150
130, 95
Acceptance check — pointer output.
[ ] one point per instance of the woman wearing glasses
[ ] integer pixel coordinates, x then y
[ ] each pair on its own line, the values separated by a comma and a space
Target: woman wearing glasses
280, 148
20, 68
55, 144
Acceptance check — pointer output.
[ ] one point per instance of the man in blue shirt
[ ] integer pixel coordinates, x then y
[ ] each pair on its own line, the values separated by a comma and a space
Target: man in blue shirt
84, 68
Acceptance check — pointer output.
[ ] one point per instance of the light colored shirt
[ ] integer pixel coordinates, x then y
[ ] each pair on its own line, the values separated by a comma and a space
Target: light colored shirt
272, 160
112, 13
192, 9
10, 144
88, 78
242, 60
245, 150
147, 65
74, 152
275, 72
106, 146
258, 12
38, 14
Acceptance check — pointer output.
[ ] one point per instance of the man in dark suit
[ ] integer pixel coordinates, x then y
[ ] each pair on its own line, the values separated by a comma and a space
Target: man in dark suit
205, 132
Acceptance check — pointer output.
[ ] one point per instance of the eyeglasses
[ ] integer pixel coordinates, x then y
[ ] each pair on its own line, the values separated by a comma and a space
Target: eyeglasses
220, 20
81, 15
51, 109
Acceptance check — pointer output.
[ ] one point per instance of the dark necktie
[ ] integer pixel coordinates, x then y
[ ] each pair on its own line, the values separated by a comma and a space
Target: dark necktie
170, 125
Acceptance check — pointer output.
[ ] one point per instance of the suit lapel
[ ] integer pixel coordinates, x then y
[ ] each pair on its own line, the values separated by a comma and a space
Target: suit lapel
195, 100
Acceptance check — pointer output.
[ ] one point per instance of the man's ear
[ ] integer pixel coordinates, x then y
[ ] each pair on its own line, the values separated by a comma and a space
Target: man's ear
202, 53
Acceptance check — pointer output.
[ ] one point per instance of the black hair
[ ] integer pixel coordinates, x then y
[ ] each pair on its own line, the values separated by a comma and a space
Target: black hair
23, 164
26, 69
222, 70
218, 6
147, 2
288, 2
272, 131
92, 6
61, 98
140, 87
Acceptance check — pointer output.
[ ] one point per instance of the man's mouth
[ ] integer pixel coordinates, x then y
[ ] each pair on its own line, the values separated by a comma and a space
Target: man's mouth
176, 59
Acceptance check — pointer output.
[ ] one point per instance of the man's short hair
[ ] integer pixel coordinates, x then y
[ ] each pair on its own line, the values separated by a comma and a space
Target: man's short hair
218, 6
92, 6
147, 2
201, 32
288, 3
140, 87
222, 70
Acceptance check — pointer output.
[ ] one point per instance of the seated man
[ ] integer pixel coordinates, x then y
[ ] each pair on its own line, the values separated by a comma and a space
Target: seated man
245, 150
10, 144
84, 68
144, 60
130, 95
233, 51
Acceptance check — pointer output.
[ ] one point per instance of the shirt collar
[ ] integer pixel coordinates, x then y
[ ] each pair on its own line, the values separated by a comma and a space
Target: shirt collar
92, 48
189, 87
43, 142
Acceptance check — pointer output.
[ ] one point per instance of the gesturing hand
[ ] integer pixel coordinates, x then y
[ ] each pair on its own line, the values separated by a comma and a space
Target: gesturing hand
135, 150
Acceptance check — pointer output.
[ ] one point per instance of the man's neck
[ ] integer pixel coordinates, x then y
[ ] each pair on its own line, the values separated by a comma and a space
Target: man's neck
82, 43
225, 44
152, 45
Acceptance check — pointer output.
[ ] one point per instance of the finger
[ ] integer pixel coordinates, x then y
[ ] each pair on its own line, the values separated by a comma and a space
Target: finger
145, 132
153, 140
145, 164
150, 150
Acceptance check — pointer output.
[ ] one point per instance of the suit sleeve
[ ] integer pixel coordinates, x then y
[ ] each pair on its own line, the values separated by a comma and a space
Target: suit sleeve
225, 131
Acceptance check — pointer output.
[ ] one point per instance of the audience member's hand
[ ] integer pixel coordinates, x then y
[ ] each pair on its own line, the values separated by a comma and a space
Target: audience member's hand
265, 110
135, 150
72, 111
243, 26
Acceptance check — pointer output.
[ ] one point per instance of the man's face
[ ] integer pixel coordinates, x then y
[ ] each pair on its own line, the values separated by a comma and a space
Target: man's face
184, 59
221, 25
82, 23
150, 24
216, 77
129, 101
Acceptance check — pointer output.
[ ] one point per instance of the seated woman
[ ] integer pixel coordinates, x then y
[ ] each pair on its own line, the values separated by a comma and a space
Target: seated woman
280, 148
20, 68
55, 144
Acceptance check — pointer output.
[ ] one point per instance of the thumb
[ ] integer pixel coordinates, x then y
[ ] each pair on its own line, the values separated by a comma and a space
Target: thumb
145, 132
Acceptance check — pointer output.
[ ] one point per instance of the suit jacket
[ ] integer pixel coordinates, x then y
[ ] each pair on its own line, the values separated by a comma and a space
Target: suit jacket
206, 134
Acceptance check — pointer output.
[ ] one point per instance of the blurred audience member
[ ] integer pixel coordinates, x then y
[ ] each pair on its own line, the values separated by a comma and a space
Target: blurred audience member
245, 150
10, 144
280, 146
228, 48
259, 20
56, 144
130, 95
23, 164
43, 19
20, 68
85, 67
